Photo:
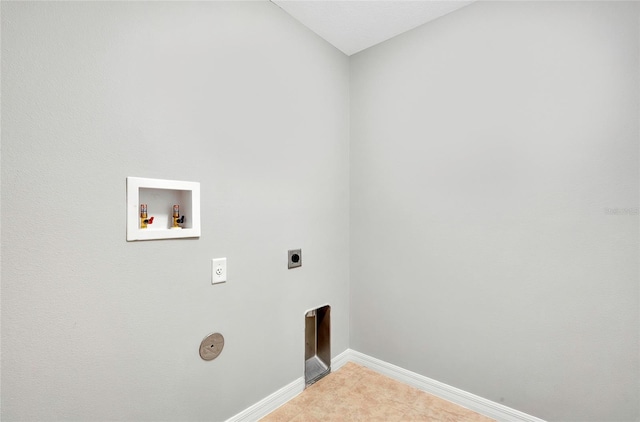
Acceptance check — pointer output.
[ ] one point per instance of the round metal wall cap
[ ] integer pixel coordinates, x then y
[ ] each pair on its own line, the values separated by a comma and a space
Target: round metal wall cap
211, 346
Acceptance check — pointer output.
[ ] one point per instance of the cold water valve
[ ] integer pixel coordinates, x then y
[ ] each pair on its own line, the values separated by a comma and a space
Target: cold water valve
176, 217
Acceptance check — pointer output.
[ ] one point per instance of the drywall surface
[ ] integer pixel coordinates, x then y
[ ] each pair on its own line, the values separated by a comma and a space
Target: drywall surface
353, 26
237, 96
494, 205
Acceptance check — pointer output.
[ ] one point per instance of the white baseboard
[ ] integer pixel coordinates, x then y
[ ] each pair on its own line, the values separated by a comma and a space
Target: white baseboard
470, 401
340, 360
283, 395
462, 398
270, 403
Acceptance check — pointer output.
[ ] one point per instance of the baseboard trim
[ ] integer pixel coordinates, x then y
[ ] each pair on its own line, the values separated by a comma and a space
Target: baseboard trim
270, 403
462, 398
283, 395
340, 360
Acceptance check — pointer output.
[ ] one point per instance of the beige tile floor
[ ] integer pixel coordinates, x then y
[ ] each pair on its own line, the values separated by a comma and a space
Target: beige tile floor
356, 393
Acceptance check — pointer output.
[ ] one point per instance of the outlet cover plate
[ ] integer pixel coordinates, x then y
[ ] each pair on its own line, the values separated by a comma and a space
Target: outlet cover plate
218, 270
295, 258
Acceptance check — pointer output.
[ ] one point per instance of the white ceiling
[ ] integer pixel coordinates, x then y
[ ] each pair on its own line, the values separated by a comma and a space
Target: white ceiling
353, 25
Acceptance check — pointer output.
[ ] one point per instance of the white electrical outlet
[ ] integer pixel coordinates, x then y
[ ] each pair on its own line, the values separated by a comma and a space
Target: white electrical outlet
218, 270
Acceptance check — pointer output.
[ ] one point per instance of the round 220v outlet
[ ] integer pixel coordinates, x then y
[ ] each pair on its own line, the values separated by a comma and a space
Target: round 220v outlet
295, 258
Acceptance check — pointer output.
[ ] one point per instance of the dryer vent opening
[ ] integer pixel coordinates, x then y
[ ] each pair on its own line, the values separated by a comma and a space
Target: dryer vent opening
317, 351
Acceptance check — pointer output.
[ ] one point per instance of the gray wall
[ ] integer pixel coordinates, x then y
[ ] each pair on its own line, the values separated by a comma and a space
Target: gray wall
490, 152
237, 96
485, 148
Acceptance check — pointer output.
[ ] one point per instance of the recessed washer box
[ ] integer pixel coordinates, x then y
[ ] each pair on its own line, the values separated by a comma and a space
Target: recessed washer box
160, 196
